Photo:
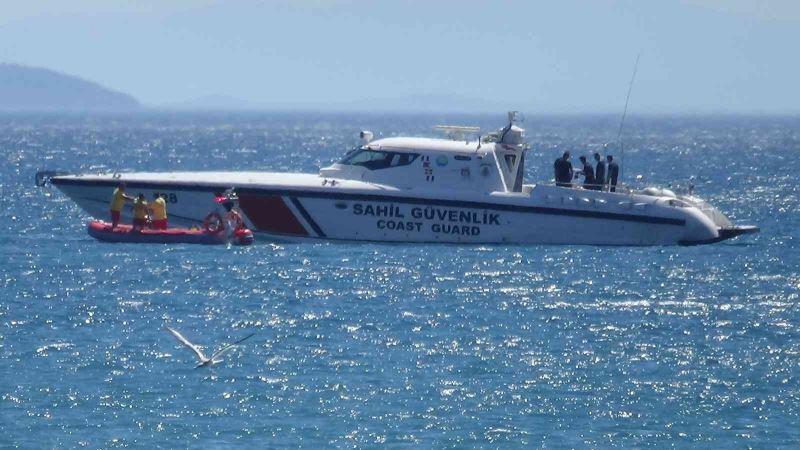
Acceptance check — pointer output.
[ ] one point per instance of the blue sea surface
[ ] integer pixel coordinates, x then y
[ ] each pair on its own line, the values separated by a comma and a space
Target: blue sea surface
398, 346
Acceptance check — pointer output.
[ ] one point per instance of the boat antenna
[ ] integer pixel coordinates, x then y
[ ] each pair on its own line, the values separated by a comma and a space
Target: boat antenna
624, 114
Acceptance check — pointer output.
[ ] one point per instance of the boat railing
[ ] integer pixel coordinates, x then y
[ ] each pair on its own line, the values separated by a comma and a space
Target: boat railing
628, 188
619, 188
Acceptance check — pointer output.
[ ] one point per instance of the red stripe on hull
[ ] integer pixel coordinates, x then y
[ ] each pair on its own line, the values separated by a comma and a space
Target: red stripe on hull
270, 214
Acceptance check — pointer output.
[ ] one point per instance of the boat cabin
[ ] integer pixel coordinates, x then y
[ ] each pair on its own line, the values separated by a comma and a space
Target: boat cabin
493, 163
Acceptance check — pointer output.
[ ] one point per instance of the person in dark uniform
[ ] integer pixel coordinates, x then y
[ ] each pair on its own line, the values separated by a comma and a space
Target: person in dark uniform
599, 173
587, 172
613, 173
563, 169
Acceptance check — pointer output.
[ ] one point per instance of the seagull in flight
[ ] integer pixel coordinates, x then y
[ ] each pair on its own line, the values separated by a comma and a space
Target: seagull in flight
202, 360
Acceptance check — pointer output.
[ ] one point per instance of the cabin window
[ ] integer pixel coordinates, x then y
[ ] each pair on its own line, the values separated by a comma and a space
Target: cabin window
406, 159
377, 159
367, 158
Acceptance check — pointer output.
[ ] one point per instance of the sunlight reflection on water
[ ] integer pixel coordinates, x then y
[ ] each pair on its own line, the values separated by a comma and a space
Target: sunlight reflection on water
359, 345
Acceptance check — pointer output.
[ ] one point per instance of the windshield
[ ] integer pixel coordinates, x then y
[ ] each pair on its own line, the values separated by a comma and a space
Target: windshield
378, 159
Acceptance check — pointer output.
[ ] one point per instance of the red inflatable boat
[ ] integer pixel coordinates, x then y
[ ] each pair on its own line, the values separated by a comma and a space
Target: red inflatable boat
122, 233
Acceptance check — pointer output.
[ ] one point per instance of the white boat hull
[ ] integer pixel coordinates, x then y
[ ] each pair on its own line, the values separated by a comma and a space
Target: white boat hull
287, 211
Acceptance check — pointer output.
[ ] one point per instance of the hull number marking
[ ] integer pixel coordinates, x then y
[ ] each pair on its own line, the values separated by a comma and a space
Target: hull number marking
168, 198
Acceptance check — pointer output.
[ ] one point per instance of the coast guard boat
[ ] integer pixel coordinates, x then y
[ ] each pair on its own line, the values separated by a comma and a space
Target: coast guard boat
405, 189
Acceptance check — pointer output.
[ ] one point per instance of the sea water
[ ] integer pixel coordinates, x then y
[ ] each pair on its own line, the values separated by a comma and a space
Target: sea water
399, 346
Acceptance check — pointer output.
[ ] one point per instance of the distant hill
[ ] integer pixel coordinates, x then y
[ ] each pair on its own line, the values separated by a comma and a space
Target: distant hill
35, 89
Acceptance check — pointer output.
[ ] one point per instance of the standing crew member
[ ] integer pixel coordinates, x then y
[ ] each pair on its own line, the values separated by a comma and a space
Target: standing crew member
588, 174
563, 171
232, 219
139, 213
117, 202
600, 172
158, 210
613, 173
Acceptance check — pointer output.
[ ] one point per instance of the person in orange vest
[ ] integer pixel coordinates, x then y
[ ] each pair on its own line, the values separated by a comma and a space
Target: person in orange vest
232, 216
158, 211
117, 202
139, 213
232, 219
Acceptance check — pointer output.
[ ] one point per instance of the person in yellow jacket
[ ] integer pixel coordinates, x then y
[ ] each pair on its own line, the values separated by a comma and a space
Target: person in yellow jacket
139, 213
117, 202
158, 211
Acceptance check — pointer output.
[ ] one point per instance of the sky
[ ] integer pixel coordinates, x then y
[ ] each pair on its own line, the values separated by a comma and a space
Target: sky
566, 56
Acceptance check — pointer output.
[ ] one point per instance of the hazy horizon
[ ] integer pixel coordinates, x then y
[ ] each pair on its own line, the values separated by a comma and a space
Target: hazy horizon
697, 56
